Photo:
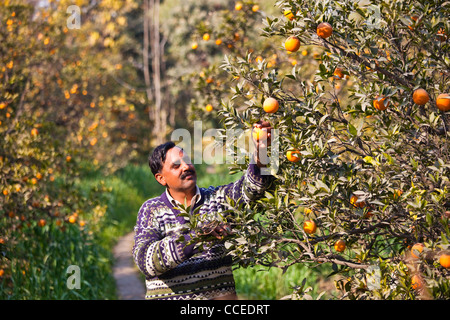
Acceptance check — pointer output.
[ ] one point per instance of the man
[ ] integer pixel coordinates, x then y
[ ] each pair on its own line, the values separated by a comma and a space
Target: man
176, 269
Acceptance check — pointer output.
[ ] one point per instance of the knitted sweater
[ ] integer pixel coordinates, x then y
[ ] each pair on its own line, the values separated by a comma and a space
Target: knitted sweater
175, 270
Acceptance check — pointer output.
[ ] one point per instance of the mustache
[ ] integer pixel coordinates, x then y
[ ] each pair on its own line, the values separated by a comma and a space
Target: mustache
186, 173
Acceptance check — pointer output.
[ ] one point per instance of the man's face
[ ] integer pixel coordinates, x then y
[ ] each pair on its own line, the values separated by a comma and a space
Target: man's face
177, 173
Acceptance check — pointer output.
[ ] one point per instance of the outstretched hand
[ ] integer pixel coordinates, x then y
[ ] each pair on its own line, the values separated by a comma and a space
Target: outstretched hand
261, 136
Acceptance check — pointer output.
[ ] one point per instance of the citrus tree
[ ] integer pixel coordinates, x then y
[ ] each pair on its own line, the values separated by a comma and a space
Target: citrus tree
362, 181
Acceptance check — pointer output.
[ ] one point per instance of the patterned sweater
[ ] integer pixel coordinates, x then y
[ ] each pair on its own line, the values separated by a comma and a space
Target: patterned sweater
175, 270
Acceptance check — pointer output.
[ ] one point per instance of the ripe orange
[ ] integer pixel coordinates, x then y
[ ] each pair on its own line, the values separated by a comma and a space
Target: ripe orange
292, 44
41, 223
218, 42
206, 36
194, 46
293, 155
68, 158
2, 272
72, 219
416, 282
309, 226
288, 14
255, 8
397, 193
34, 132
417, 248
380, 104
443, 102
442, 36
5, 192
338, 74
339, 246
353, 201
238, 6
420, 97
209, 107
270, 105
324, 30
259, 134
444, 260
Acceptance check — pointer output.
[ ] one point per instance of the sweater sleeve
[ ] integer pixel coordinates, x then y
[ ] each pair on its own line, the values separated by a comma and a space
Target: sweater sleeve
153, 253
249, 187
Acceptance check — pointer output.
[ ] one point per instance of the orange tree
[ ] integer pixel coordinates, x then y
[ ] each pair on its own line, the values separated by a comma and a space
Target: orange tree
61, 112
369, 178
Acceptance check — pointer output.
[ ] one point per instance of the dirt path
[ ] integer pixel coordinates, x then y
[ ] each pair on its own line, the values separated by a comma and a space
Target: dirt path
129, 284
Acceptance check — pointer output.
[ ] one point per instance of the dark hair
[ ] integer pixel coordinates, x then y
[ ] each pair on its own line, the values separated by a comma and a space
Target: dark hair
158, 156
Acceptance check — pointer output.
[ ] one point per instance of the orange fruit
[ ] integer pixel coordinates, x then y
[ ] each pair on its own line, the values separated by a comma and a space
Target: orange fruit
353, 201
72, 219
209, 107
380, 104
68, 158
418, 247
194, 46
339, 246
34, 132
324, 30
444, 260
5, 192
420, 97
288, 14
293, 155
259, 134
270, 105
443, 102
238, 6
442, 36
397, 193
292, 44
309, 226
218, 42
416, 282
338, 74
255, 8
206, 36
41, 223
2, 272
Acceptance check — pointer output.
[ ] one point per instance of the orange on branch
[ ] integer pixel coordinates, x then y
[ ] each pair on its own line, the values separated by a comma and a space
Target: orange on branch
420, 97
417, 248
288, 14
444, 260
340, 246
194, 46
259, 134
293, 155
206, 36
380, 103
292, 44
338, 74
309, 226
238, 6
209, 107
355, 203
271, 105
416, 282
443, 102
324, 30
41, 223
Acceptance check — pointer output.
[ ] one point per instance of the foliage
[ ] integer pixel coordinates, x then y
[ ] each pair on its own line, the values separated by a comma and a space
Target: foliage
394, 161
